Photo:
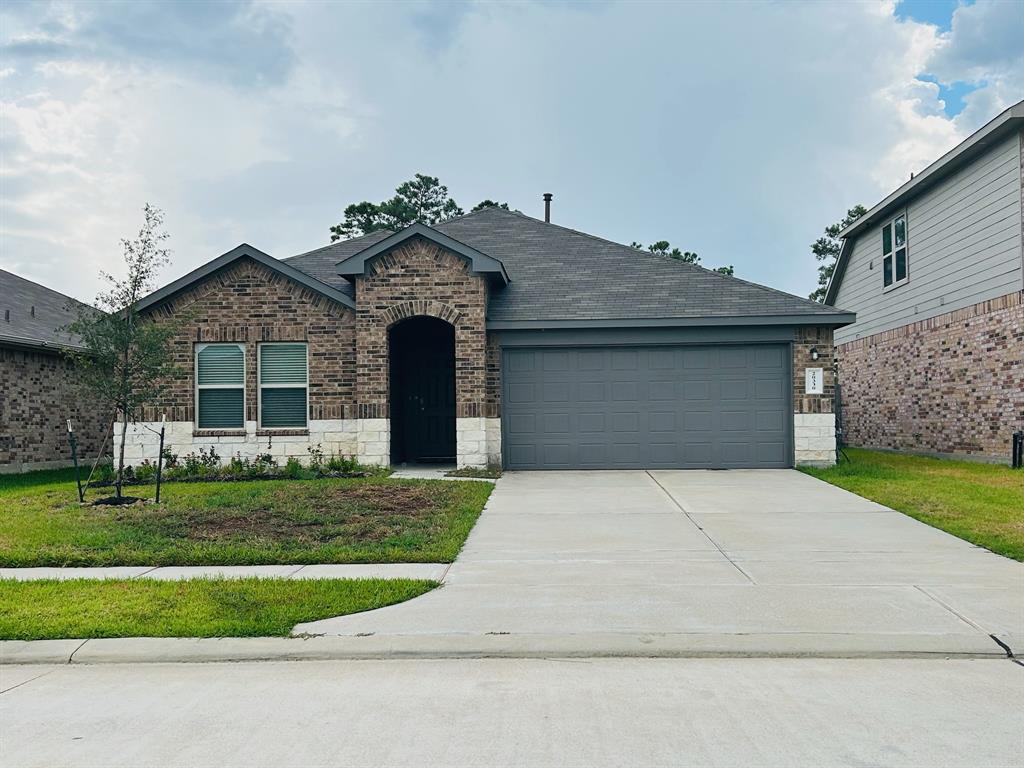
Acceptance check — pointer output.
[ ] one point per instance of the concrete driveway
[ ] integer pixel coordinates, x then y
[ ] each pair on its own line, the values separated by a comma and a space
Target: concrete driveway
684, 562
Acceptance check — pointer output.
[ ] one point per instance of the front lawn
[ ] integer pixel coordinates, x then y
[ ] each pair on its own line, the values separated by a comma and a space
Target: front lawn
359, 520
982, 503
90, 608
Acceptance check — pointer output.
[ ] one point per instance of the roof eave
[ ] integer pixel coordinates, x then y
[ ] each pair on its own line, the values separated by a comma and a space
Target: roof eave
833, 319
480, 262
24, 342
242, 251
837, 274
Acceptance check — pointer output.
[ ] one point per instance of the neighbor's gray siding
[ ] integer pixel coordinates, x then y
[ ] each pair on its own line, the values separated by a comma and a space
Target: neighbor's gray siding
965, 247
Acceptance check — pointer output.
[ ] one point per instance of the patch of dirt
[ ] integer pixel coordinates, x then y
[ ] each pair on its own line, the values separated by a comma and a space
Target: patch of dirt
264, 524
113, 501
358, 513
404, 499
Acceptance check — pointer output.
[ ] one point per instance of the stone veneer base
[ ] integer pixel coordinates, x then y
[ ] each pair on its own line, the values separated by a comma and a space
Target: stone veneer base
369, 440
814, 437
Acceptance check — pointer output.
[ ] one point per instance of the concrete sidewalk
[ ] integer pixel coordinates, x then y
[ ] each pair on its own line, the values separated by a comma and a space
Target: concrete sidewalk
430, 571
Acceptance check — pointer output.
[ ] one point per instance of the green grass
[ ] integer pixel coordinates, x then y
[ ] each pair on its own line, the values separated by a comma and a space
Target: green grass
358, 520
982, 503
488, 473
90, 608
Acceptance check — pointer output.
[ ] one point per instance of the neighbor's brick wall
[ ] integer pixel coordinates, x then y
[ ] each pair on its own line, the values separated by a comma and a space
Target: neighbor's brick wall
952, 384
420, 278
249, 303
38, 393
805, 339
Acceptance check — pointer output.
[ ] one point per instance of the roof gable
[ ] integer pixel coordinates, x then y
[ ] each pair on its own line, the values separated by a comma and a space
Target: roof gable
479, 262
240, 252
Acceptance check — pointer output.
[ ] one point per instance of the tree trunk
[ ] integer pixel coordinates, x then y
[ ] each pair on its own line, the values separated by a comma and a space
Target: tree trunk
120, 458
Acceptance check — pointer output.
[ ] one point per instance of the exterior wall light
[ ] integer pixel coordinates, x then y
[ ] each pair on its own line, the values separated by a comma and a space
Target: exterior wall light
814, 353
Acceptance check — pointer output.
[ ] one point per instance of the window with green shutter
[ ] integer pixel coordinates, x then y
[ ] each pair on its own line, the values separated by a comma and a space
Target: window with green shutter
220, 386
283, 379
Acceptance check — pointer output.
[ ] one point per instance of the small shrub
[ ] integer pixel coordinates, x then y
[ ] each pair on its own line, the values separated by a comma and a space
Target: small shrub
146, 471
103, 475
338, 463
293, 468
170, 458
316, 458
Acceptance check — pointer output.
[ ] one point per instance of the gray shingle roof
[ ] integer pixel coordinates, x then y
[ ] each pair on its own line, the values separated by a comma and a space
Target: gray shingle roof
32, 314
559, 274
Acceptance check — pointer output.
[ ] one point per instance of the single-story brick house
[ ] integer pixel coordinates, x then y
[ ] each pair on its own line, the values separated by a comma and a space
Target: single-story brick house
934, 363
494, 338
38, 390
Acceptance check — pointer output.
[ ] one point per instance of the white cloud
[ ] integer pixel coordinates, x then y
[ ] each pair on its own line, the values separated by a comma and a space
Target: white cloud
737, 130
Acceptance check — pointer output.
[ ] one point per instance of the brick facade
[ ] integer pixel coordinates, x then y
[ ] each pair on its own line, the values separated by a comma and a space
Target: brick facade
951, 384
37, 395
819, 338
420, 278
248, 303
814, 421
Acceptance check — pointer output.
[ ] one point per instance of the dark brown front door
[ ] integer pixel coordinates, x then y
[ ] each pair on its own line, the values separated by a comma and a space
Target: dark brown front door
422, 391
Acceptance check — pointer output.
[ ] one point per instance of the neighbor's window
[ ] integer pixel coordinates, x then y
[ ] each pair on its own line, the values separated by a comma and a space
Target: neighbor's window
220, 386
283, 377
894, 251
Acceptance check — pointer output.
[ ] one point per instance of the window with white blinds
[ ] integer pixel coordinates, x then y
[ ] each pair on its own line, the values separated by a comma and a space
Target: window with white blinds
220, 386
283, 377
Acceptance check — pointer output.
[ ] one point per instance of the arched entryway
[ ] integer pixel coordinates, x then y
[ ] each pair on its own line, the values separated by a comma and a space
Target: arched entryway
422, 391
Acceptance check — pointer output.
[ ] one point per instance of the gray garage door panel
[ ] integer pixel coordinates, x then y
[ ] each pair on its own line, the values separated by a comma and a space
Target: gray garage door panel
722, 406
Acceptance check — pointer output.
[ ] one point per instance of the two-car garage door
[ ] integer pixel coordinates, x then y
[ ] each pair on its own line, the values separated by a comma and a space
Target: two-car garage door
724, 406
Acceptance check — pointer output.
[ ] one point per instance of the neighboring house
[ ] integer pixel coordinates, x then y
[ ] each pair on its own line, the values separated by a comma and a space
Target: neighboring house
493, 338
935, 361
38, 391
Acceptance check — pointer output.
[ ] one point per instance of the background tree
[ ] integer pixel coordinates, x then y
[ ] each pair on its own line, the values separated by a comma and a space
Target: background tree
488, 204
826, 249
664, 248
422, 199
126, 359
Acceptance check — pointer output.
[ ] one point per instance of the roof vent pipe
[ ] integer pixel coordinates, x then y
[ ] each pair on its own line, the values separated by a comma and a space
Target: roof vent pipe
547, 207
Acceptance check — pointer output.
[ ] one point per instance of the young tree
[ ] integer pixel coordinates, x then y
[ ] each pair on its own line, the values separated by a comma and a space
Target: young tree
826, 249
125, 358
422, 199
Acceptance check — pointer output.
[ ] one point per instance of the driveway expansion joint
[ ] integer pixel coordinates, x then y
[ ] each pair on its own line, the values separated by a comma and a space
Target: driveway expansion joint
682, 509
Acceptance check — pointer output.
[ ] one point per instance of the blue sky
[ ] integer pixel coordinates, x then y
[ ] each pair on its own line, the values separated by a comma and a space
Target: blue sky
738, 130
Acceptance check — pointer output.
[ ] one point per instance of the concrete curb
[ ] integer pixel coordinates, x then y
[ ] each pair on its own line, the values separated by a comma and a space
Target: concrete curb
147, 650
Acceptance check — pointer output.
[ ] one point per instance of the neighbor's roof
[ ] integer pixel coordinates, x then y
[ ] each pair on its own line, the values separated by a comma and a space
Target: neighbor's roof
31, 315
995, 130
560, 277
